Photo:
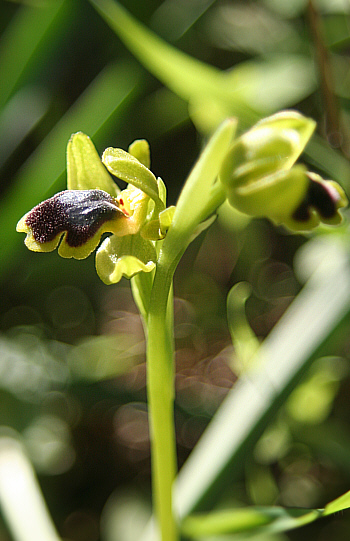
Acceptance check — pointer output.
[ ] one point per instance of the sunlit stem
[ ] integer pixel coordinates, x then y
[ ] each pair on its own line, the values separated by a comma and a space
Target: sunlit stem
192, 208
160, 389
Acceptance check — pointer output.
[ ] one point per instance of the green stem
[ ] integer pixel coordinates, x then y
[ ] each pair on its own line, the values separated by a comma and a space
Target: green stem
160, 390
191, 209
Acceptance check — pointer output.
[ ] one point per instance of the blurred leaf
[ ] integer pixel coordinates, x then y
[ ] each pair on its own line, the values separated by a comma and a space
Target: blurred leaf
25, 35
312, 400
243, 338
184, 75
251, 28
335, 6
20, 115
42, 174
287, 8
49, 444
300, 335
276, 82
21, 500
30, 367
247, 91
250, 519
257, 520
174, 17
124, 516
103, 357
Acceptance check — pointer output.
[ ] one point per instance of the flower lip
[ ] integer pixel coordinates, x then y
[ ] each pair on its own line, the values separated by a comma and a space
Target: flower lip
322, 196
79, 213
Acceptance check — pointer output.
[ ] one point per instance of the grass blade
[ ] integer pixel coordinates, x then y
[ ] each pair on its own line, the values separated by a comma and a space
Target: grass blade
22, 39
300, 335
258, 520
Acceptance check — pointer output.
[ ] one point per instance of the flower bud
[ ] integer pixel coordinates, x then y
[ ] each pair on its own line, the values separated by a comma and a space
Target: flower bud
261, 180
273, 144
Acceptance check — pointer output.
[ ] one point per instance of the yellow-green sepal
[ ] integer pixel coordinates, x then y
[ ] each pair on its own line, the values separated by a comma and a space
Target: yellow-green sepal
85, 170
124, 256
157, 229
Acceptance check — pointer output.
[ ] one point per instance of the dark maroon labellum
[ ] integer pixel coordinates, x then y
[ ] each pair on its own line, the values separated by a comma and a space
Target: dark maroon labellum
80, 213
320, 197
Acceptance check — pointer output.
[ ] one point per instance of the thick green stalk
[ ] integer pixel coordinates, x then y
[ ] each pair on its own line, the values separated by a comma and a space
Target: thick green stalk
160, 390
198, 200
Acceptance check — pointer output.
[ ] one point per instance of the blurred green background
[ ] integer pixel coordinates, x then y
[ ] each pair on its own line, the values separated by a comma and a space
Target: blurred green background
72, 372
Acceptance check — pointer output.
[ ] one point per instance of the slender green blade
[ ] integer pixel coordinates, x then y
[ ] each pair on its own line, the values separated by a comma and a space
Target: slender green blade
343, 502
250, 90
301, 334
180, 72
257, 520
23, 38
194, 81
250, 520
42, 174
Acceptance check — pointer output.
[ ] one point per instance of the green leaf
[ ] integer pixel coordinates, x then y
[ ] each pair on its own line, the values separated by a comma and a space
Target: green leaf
249, 90
304, 333
124, 256
104, 357
243, 338
343, 502
259, 520
24, 38
85, 170
223, 522
187, 77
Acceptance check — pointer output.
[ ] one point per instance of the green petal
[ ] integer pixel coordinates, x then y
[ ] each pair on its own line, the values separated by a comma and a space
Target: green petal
157, 229
124, 256
85, 170
128, 168
162, 190
140, 150
78, 217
